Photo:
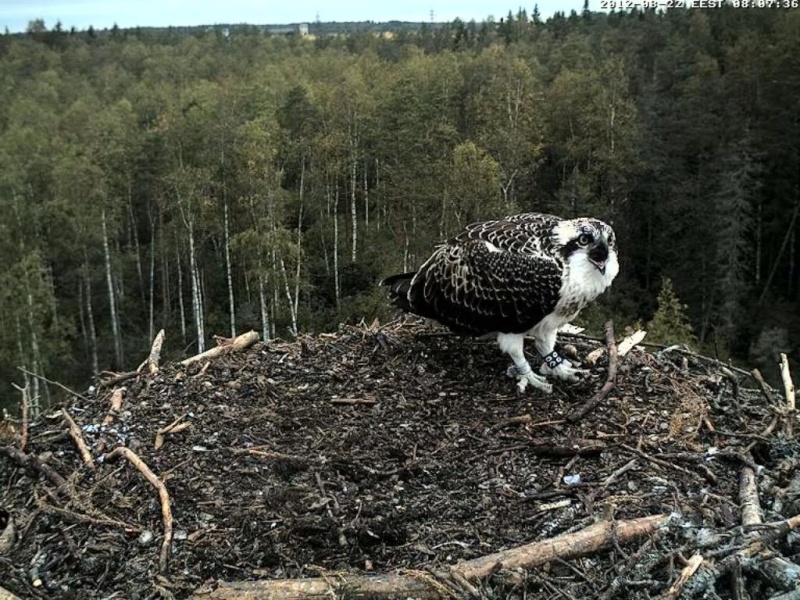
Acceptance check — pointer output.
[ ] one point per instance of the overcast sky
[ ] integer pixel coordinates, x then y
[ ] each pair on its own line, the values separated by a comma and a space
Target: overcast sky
15, 14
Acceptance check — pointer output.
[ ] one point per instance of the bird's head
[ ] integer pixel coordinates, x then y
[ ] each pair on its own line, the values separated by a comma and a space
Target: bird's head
590, 244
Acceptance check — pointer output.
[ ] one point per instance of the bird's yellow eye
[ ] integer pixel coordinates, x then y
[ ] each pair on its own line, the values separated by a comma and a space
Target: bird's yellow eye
584, 239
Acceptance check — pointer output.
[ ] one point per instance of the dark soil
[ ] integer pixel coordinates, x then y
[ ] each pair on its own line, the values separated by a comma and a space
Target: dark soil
276, 480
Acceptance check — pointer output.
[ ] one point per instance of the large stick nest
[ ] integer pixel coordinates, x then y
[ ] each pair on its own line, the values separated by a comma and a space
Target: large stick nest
370, 451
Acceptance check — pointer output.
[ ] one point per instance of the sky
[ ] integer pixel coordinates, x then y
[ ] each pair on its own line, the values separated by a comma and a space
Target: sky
101, 14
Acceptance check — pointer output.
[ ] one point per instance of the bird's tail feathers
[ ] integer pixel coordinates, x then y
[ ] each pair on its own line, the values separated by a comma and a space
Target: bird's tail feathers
399, 285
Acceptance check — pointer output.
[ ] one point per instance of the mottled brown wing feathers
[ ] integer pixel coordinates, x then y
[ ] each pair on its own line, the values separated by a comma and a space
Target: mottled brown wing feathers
475, 289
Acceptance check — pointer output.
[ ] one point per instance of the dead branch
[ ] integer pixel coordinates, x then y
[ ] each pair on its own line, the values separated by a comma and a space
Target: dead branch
116, 403
657, 461
630, 342
166, 510
613, 363
35, 463
155, 353
6, 595
401, 586
788, 389
77, 437
765, 389
226, 346
23, 434
353, 401
115, 378
55, 383
379, 587
563, 448
272, 455
174, 427
748, 497
75, 517
691, 567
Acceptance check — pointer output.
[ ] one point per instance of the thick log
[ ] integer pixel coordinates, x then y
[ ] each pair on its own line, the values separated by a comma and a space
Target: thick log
428, 587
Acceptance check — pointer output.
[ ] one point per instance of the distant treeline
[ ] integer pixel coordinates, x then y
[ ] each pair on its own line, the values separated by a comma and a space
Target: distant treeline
209, 182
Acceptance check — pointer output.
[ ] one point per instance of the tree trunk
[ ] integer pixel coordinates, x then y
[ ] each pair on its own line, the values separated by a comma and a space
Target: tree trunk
181, 307
289, 299
366, 199
135, 237
262, 300
336, 245
90, 315
299, 240
111, 295
151, 291
228, 268
353, 211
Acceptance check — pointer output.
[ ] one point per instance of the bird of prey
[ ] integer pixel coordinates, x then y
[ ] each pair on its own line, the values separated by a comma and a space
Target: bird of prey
525, 274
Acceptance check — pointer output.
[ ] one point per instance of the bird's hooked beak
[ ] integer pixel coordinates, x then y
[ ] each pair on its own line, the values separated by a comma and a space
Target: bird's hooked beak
598, 255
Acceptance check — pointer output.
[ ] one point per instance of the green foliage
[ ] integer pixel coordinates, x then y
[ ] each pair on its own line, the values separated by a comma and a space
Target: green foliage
291, 174
670, 323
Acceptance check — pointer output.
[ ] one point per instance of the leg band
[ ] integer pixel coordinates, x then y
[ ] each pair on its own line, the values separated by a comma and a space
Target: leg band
553, 359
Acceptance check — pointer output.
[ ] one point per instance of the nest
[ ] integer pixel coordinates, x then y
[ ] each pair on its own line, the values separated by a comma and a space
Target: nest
399, 461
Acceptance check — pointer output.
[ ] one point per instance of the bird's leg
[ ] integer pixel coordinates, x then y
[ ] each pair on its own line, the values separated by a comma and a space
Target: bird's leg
512, 344
554, 364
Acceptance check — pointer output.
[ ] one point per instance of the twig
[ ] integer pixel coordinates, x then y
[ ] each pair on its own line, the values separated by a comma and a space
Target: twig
691, 567
116, 378
23, 434
166, 511
613, 363
353, 401
523, 419
116, 403
765, 390
81, 518
34, 462
271, 455
631, 464
174, 427
77, 437
655, 460
55, 383
788, 389
225, 346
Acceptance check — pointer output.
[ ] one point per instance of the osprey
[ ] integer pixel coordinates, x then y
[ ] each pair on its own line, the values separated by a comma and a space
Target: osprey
524, 274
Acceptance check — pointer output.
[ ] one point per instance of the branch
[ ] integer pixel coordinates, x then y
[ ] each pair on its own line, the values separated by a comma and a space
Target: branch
166, 511
55, 383
23, 434
77, 437
155, 353
788, 388
613, 364
419, 585
34, 462
691, 567
225, 346
6, 595
174, 427
116, 403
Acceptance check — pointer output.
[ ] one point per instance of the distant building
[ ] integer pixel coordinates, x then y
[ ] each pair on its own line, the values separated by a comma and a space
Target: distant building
300, 29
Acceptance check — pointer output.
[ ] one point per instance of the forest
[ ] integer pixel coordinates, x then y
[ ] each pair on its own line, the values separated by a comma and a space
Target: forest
218, 180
